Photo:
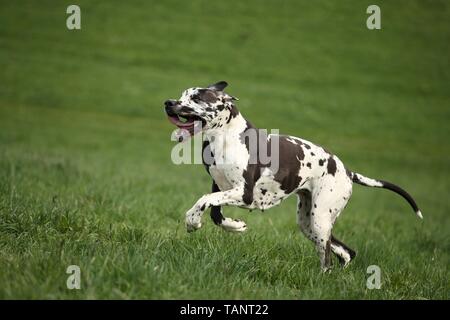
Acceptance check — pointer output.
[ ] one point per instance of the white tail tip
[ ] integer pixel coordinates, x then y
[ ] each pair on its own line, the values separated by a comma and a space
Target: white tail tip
419, 214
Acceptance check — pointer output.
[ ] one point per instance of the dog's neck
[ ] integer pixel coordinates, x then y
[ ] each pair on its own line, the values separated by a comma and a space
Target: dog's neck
235, 126
227, 136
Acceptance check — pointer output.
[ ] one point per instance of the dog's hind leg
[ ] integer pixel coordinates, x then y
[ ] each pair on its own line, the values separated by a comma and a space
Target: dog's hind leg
318, 233
228, 224
317, 213
321, 224
329, 198
342, 251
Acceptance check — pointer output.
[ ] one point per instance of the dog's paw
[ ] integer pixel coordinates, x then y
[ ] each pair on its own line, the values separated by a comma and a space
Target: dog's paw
233, 225
193, 227
192, 224
326, 270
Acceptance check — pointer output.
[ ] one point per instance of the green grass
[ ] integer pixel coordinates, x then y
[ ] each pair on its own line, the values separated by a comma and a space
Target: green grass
85, 170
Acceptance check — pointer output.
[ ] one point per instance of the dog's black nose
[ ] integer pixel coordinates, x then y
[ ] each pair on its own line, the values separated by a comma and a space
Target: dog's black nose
170, 103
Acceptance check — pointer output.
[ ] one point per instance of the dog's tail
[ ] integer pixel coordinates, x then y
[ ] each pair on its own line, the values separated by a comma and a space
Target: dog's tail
369, 182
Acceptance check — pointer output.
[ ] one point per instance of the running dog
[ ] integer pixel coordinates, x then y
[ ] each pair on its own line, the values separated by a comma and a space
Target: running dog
320, 180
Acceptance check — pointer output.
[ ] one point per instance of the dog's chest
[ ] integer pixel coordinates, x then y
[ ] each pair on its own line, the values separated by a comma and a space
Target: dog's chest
226, 176
231, 158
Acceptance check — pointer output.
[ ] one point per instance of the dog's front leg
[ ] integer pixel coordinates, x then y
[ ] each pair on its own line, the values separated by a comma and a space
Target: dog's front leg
228, 224
232, 197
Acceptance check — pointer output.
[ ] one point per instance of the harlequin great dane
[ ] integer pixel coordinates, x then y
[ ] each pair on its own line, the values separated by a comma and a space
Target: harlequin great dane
319, 179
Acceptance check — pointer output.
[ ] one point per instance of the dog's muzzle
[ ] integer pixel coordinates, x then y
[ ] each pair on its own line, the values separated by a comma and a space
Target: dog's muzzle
191, 125
170, 107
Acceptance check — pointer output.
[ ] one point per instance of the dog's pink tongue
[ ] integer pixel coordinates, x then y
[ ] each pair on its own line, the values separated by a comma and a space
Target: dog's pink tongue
176, 121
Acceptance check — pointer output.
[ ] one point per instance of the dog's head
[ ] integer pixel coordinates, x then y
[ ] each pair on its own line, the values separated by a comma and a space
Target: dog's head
201, 109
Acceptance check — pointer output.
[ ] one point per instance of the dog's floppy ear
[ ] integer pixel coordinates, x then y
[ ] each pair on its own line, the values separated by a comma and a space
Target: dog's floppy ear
219, 86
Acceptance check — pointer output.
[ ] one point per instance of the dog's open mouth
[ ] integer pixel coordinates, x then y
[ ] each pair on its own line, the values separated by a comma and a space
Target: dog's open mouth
187, 125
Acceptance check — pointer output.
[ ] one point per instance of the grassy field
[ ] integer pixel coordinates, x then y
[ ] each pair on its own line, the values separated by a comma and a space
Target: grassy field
85, 170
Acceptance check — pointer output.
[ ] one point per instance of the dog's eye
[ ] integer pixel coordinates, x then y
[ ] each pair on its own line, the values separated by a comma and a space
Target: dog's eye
196, 99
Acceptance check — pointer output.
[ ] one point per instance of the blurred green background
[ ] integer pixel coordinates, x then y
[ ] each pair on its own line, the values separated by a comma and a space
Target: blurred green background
85, 170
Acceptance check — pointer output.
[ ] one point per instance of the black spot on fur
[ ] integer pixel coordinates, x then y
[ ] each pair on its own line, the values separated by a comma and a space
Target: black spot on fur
308, 165
253, 171
233, 112
331, 167
356, 179
206, 95
349, 173
321, 162
206, 150
215, 213
263, 191
250, 175
216, 216
287, 174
